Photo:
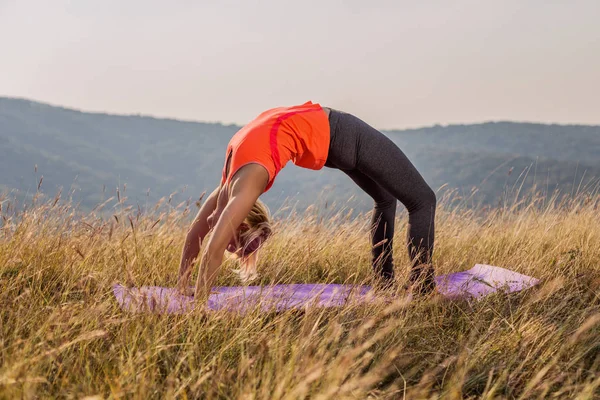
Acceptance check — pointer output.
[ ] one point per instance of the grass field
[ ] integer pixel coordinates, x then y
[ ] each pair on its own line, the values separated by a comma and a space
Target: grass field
63, 335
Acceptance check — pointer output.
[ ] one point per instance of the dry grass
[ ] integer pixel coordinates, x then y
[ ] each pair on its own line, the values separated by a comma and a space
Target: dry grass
62, 334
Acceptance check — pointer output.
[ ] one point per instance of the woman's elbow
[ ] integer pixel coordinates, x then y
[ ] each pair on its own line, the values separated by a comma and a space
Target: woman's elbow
193, 237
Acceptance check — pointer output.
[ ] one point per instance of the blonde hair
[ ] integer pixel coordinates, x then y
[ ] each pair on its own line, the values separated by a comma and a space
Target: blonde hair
257, 230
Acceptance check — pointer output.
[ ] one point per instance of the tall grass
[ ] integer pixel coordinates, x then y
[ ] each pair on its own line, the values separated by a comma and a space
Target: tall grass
63, 335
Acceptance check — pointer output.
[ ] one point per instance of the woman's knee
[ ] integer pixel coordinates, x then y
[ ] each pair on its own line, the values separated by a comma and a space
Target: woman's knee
385, 202
429, 198
424, 200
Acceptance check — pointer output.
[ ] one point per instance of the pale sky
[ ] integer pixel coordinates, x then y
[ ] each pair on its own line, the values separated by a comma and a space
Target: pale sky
395, 64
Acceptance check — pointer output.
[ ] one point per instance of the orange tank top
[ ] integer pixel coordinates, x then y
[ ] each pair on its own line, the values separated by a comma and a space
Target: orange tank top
298, 133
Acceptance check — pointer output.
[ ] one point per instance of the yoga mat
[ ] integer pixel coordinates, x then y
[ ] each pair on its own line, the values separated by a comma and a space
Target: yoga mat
477, 282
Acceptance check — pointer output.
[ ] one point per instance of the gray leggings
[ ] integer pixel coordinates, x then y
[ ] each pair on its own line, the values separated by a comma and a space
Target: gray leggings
382, 170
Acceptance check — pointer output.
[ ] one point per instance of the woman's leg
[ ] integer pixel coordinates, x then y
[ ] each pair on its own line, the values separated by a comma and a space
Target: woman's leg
382, 223
356, 146
381, 160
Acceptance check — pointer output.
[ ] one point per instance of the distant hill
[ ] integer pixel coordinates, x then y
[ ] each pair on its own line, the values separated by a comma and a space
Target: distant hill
93, 153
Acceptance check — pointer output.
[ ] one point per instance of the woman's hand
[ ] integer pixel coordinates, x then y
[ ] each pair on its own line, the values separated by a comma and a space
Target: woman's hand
184, 289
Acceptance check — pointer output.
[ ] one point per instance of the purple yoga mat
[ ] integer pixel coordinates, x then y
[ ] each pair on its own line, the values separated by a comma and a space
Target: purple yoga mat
477, 282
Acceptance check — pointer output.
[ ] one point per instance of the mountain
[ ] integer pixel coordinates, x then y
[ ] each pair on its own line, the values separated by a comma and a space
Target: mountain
91, 154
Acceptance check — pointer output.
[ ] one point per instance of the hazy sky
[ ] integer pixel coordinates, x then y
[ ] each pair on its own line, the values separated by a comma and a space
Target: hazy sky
393, 63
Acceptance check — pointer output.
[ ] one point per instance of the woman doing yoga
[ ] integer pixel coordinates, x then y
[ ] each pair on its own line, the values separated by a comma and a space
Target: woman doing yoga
312, 137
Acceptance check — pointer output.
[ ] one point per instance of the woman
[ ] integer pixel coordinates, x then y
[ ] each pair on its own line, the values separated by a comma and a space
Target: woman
312, 137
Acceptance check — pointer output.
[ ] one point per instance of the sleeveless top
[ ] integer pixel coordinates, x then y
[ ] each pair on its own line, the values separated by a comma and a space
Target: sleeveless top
297, 133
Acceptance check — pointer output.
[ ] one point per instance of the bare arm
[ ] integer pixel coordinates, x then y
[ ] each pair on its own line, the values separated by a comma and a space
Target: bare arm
248, 184
196, 234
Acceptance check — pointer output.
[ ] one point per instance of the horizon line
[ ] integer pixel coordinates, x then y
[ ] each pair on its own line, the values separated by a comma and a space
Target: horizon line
175, 119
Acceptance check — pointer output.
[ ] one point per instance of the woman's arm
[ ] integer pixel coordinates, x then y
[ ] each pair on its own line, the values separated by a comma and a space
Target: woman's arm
198, 230
247, 185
